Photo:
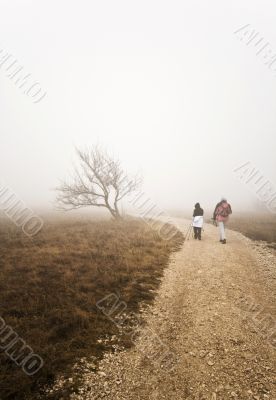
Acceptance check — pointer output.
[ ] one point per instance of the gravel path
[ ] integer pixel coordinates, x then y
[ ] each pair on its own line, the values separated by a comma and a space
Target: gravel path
210, 334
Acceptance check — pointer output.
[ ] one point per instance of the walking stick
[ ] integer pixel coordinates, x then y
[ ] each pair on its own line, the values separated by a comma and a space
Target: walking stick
191, 230
188, 233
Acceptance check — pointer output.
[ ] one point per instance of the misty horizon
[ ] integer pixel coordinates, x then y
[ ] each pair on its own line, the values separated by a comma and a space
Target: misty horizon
173, 93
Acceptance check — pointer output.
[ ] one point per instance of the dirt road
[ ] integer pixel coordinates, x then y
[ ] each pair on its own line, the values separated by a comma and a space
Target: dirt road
215, 312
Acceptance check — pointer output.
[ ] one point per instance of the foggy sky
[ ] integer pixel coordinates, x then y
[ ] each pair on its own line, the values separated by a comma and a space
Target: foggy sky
166, 86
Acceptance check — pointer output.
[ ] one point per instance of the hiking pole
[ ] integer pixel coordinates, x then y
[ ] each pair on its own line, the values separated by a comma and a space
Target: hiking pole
188, 233
191, 230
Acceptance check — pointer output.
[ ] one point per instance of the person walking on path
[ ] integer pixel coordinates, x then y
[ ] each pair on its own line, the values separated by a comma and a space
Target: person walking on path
221, 215
197, 221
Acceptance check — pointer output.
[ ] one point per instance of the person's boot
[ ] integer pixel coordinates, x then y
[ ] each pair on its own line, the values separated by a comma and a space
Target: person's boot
223, 241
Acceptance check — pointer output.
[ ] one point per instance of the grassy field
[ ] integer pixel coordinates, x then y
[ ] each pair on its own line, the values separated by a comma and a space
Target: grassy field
255, 226
49, 287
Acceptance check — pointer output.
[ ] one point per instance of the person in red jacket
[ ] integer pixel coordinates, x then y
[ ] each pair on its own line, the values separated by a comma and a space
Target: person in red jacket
221, 215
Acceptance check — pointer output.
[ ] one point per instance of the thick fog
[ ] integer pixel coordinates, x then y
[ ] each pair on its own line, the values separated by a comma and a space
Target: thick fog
168, 87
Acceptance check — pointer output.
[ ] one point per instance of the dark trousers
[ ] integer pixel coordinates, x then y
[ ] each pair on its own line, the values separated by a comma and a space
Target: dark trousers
197, 233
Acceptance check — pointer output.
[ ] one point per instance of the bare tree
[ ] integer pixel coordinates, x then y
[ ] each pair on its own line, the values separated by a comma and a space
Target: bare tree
98, 181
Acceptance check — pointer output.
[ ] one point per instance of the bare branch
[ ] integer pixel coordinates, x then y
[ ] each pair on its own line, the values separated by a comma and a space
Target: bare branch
98, 181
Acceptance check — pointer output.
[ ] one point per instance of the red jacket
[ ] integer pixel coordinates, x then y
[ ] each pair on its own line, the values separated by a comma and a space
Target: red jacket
222, 211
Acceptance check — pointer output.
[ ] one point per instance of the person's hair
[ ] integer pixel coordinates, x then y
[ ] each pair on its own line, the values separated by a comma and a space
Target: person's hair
197, 205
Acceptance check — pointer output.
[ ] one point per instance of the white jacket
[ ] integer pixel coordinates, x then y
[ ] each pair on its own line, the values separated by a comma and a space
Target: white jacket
198, 221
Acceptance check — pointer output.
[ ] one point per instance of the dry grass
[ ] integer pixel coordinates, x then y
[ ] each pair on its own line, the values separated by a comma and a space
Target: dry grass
49, 287
255, 226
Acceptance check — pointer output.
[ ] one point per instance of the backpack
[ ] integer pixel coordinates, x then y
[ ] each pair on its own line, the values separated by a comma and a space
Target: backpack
223, 211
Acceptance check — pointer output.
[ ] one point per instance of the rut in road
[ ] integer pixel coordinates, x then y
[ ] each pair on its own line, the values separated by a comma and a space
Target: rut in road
215, 311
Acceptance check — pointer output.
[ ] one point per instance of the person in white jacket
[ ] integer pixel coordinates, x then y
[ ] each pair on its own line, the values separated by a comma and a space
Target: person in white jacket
198, 221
